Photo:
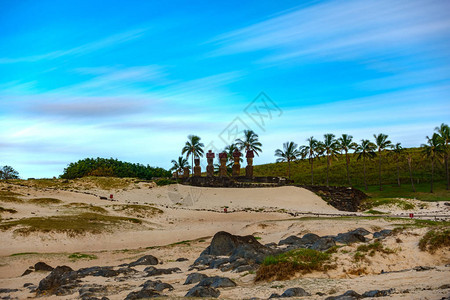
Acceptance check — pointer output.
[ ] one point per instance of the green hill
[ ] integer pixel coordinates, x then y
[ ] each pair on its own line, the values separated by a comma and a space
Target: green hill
421, 166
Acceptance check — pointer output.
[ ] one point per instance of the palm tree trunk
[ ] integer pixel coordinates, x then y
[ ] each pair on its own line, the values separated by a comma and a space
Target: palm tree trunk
192, 170
410, 175
289, 169
379, 169
328, 168
432, 174
348, 176
446, 170
365, 181
398, 173
312, 171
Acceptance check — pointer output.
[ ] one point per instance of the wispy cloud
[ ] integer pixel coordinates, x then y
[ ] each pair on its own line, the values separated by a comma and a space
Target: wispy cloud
109, 41
339, 29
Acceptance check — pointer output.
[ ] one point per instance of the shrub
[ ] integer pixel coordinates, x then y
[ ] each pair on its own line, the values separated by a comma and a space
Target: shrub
435, 239
286, 265
164, 181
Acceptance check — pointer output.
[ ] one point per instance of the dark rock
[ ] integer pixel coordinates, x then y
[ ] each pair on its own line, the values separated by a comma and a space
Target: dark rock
97, 271
422, 268
217, 282
323, 244
182, 259
245, 268
252, 253
3, 291
291, 240
61, 281
360, 231
217, 263
310, 238
204, 259
382, 234
274, 295
349, 238
224, 243
203, 291
271, 245
152, 271
444, 286
342, 198
194, 278
27, 271
295, 292
27, 284
145, 260
143, 294
377, 293
348, 295
42, 266
156, 285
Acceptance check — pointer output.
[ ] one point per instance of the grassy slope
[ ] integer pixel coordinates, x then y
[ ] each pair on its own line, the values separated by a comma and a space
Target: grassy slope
301, 173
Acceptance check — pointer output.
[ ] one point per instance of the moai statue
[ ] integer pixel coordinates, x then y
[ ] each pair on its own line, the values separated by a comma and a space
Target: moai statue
210, 167
186, 172
223, 164
249, 167
237, 164
197, 168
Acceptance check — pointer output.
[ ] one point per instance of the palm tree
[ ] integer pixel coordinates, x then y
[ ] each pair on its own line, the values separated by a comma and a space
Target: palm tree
345, 144
289, 153
311, 151
179, 165
444, 134
433, 149
366, 150
250, 142
193, 147
331, 148
397, 151
409, 157
382, 143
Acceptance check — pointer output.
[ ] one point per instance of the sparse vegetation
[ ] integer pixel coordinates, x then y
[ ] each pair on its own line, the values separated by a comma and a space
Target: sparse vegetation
164, 181
72, 225
77, 256
44, 201
8, 196
286, 265
138, 210
375, 202
7, 210
90, 207
435, 239
372, 248
375, 212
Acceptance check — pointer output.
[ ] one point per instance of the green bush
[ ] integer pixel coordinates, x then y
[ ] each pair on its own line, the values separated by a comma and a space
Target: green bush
435, 239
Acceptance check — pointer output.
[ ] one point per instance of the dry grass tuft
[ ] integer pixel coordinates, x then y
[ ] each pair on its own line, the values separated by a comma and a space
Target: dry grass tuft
44, 201
434, 240
140, 211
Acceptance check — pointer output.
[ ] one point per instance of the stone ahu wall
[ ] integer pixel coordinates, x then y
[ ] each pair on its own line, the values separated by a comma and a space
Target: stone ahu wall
240, 181
340, 197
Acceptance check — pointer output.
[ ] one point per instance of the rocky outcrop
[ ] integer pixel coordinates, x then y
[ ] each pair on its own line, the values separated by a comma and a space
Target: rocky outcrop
292, 292
239, 181
203, 292
342, 198
145, 260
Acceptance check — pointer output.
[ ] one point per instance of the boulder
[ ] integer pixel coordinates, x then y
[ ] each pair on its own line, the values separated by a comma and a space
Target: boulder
97, 271
348, 295
382, 234
60, 281
145, 260
291, 240
323, 244
152, 271
143, 294
42, 266
217, 282
203, 291
349, 238
194, 278
377, 293
360, 231
224, 243
295, 292
156, 285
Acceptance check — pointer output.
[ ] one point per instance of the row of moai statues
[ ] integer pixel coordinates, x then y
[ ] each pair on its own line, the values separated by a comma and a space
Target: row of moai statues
223, 158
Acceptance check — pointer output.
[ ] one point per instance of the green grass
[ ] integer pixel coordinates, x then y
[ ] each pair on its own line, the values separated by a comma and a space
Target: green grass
375, 202
71, 225
375, 212
44, 201
90, 207
77, 256
138, 210
374, 247
301, 170
24, 253
404, 191
286, 265
435, 239
11, 197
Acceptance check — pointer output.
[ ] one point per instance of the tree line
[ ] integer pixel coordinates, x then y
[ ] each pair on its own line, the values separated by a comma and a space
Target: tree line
436, 148
111, 168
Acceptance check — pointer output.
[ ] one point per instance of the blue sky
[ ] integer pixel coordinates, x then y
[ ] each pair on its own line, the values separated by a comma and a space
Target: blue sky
131, 79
